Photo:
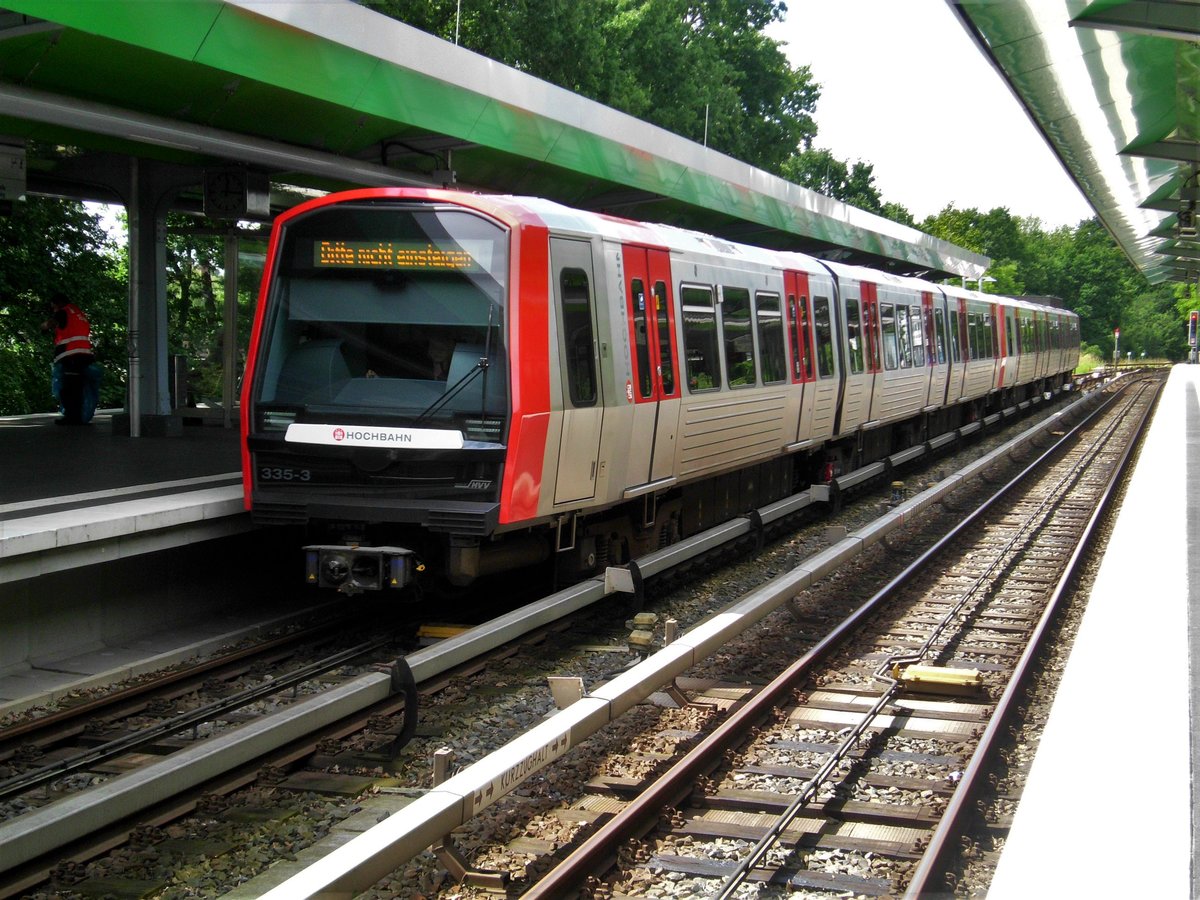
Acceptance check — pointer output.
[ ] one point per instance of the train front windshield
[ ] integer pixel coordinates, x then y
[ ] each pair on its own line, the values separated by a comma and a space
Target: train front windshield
389, 313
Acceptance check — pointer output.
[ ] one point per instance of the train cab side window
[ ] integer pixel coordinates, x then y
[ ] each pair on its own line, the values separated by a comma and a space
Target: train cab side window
735, 331
666, 365
939, 331
854, 338
891, 348
641, 338
771, 348
700, 339
823, 328
579, 337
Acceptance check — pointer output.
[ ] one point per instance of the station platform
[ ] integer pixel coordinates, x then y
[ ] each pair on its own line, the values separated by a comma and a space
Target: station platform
72, 498
1113, 770
75, 496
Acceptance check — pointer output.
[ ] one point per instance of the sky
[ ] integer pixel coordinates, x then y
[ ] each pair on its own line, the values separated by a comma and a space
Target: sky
904, 88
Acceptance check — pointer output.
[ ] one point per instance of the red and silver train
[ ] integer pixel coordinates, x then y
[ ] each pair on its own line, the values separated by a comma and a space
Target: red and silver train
458, 384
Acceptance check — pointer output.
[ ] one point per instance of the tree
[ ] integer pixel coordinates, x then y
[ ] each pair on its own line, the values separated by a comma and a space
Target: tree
1151, 325
821, 171
48, 245
699, 68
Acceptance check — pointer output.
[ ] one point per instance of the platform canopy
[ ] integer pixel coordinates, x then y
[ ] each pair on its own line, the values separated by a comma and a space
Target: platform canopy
1114, 87
323, 95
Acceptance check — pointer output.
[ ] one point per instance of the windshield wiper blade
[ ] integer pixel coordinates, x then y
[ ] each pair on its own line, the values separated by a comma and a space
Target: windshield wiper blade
453, 391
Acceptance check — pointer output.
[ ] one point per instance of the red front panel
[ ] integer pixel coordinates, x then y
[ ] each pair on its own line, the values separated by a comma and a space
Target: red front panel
529, 336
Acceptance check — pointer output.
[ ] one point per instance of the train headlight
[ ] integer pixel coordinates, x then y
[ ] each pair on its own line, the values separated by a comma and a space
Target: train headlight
335, 569
352, 570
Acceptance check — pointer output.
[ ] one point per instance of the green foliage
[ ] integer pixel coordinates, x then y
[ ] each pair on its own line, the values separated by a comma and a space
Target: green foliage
1081, 266
48, 245
821, 171
695, 67
1089, 358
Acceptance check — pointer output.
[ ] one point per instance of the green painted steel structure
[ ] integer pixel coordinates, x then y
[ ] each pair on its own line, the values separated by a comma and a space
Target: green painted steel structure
1114, 87
292, 88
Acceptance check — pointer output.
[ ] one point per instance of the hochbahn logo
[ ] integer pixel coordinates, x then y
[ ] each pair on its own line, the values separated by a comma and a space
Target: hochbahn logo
373, 437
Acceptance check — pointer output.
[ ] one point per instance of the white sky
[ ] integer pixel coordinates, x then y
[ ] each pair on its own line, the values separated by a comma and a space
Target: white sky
904, 88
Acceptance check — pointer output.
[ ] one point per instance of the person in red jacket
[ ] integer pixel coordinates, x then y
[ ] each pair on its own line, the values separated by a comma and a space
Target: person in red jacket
72, 358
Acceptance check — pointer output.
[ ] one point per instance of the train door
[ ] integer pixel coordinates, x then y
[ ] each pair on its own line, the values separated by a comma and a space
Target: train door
876, 381
999, 344
956, 311
655, 386
579, 367
935, 342
799, 317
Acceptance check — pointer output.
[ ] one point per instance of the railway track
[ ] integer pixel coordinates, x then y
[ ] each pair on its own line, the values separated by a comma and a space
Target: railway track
860, 781
360, 762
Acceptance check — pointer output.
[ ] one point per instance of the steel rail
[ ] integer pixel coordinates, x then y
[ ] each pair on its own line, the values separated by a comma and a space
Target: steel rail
680, 778
127, 743
810, 788
951, 824
47, 829
129, 695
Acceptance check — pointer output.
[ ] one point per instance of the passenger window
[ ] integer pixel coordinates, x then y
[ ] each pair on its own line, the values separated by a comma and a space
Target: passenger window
917, 333
735, 330
580, 359
904, 337
665, 363
891, 349
939, 330
823, 326
993, 334
771, 346
700, 339
854, 336
641, 339
1013, 341
805, 340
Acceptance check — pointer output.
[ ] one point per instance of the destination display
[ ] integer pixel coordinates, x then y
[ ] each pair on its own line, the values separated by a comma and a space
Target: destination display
410, 255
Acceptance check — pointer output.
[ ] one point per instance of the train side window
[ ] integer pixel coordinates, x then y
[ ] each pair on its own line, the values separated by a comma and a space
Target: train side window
917, 333
854, 336
700, 339
805, 340
939, 335
955, 345
904, 336
974, 339
887, 322
735, 332
771, 348
666, 364
580, 360
993, 334
1014, 342
641, 338
823, 326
